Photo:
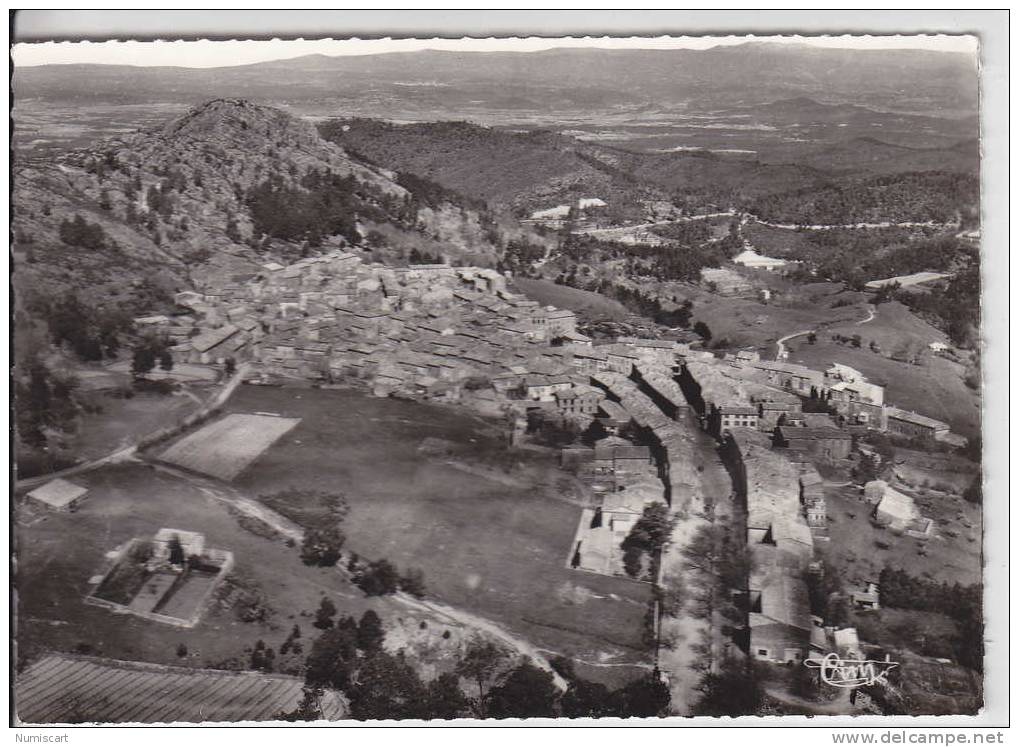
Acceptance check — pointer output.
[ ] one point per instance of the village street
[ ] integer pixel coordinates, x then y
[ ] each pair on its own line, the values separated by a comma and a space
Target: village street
696, 641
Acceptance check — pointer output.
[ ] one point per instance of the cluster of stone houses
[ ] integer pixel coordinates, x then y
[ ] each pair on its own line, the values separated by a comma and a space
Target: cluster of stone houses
669, 443
744, 391
438, 330
425, 328
658, 466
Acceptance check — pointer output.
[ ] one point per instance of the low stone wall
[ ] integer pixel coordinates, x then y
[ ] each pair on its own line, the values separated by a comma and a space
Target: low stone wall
226, 564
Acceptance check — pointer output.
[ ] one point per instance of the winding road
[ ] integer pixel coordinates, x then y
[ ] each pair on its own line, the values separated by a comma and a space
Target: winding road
780, 351
871, 313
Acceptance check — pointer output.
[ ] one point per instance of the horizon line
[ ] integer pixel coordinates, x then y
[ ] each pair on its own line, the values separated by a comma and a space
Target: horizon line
213, 54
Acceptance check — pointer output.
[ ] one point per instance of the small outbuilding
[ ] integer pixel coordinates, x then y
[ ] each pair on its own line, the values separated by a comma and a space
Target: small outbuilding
191, 543
896, 510
59, 495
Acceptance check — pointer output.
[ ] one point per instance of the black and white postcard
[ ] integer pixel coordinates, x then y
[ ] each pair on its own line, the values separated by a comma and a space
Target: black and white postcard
572, 377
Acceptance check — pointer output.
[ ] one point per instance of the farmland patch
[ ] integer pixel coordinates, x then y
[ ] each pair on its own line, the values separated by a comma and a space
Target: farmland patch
228, 446
490, 531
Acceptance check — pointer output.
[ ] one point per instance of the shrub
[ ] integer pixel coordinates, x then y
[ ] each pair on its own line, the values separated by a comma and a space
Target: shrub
413, 582
378, 579
322, 547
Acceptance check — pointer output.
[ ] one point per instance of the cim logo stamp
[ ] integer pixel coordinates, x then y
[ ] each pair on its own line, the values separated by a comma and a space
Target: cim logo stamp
849, 673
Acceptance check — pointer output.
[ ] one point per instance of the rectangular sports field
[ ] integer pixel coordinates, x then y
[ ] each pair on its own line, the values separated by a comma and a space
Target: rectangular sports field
226, 447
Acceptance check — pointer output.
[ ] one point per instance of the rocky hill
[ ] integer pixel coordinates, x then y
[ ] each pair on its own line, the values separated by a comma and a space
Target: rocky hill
529, 170
519, 170
211, 194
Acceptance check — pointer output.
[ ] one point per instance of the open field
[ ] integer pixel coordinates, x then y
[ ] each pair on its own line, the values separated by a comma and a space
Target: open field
226, 447
892, 327
746, 323
855, 548
65, 689
126, 419
586, 304
121, 421
486, 545
58, 554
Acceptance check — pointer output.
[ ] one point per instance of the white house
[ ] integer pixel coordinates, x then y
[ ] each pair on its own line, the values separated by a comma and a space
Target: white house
59, 495
750, 258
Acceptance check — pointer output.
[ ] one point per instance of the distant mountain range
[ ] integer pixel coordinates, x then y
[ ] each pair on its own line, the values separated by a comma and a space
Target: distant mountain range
557, 80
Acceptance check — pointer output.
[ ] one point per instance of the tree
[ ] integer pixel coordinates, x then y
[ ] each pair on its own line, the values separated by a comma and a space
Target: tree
481, 662
309, 709
324, 614
79, 232
232, 231
387, 687
733, 691
413, 582
322, 546
143, 360
333, 658
584, 699
527, 692
370, 635
645, 697
38, 400
649, 535
262, 657
701, 329
867, 468
378, 579
176, 550
828, 598
444, 698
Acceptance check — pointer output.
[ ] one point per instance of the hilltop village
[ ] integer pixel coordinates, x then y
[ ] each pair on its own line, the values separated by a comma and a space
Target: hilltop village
388, 401
460, 335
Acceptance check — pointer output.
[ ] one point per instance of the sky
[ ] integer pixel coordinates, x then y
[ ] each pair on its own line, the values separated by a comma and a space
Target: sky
205, 53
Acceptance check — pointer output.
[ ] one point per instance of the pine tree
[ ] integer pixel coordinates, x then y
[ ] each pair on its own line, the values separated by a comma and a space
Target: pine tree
324, 614
370, 635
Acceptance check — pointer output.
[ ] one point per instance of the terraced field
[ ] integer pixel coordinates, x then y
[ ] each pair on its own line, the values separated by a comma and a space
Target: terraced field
62, 689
